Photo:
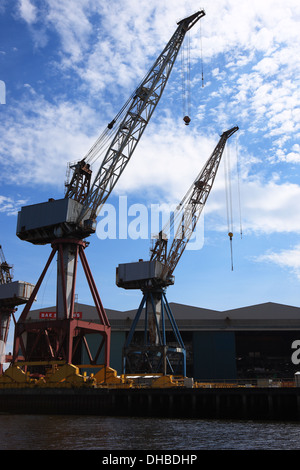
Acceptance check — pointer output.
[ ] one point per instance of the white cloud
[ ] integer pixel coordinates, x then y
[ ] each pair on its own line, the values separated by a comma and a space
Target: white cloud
265, 207
70, 20
10, 206
168, 159
271, 207
27, 11
267, 66
287, 259
40, 138
105, 44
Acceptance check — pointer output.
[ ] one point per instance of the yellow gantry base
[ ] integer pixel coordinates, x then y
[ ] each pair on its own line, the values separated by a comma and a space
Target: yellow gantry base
65, 375
60, 375
68, 375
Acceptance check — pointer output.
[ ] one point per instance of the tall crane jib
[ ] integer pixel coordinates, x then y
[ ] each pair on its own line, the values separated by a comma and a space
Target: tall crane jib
190, 210
66, 223
129, 128
154, 276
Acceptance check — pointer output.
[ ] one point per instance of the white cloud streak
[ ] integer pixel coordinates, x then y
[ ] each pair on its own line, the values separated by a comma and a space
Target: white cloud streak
27, 11
11, 206
41, 138
286, 259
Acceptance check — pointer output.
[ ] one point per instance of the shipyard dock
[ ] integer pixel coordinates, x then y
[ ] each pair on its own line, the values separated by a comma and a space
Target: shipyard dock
242, 403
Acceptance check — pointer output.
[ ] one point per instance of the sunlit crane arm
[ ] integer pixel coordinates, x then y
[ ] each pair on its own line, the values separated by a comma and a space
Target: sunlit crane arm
189, 211
139, 111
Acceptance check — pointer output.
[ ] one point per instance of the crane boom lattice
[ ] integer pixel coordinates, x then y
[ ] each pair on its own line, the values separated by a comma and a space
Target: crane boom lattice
139, 111
190, 210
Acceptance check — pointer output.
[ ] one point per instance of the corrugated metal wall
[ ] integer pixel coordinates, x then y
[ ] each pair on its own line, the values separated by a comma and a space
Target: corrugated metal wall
214, 355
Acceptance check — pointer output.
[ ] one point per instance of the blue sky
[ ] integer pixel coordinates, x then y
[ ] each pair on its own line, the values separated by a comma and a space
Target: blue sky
69, 66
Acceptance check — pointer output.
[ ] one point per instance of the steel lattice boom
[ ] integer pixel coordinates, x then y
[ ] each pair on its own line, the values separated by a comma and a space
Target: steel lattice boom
139, 111
136, 119
190, 210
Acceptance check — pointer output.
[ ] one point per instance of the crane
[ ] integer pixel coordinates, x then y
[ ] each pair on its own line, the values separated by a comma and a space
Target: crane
5, 312
153, 352
67, 222
6, 274
12, 294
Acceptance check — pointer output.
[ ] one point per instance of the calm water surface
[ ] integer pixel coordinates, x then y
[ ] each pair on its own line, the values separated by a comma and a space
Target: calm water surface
19, 432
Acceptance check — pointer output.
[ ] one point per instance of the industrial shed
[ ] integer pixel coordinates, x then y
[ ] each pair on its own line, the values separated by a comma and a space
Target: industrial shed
248, 342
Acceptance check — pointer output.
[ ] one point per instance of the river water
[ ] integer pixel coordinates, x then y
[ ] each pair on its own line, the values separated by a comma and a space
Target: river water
41, 432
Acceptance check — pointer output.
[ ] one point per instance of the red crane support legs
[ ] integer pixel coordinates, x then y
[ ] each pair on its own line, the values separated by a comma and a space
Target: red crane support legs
60, 337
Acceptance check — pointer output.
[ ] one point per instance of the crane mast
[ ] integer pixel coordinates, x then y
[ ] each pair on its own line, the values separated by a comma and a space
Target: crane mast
66, 223
154, 276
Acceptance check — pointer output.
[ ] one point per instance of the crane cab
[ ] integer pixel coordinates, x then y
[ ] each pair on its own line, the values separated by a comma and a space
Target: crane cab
141, 273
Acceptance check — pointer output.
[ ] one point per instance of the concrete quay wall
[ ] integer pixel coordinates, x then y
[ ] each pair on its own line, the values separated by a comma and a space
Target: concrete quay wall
217, 403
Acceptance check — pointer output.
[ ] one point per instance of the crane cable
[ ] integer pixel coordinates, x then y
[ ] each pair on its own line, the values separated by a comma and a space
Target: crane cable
201, 56
186, 79
186, 76
239, 190
102, 143
228, 194
189, 74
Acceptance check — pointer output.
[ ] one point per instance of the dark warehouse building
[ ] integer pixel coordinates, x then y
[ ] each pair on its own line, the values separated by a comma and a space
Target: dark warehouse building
244, 343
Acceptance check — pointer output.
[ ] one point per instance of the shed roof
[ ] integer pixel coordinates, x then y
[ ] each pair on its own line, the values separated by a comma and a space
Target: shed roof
264, 316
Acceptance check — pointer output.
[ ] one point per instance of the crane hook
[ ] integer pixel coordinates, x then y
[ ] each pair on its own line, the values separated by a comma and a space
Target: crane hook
111, 124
